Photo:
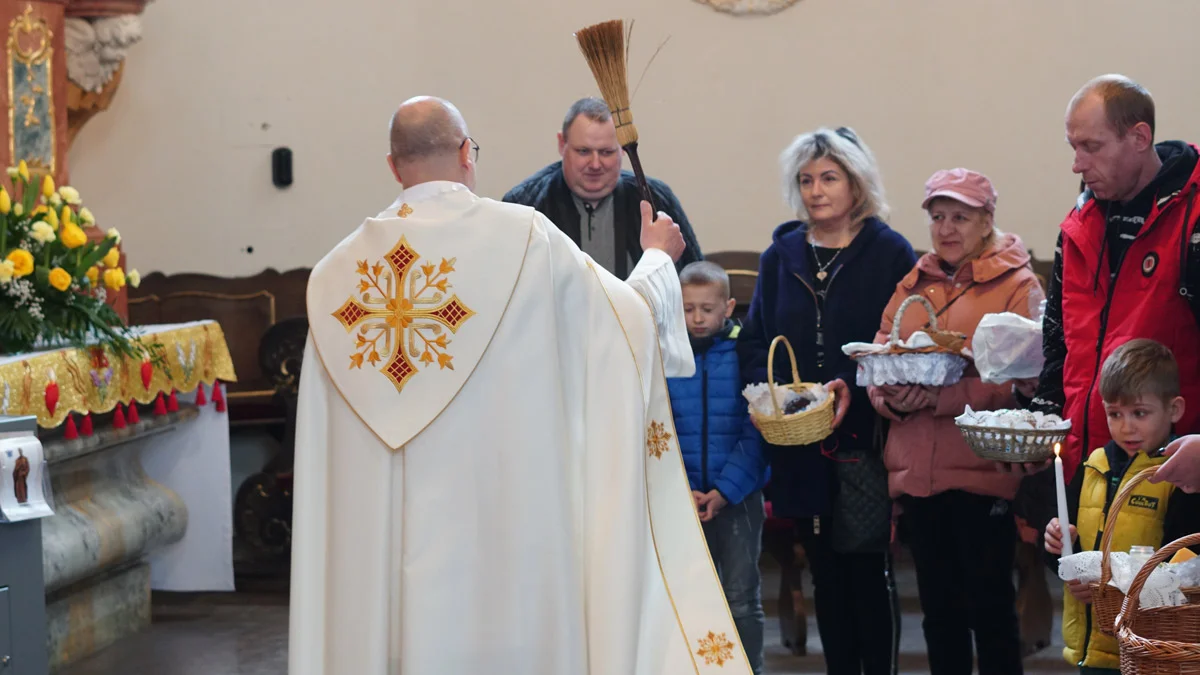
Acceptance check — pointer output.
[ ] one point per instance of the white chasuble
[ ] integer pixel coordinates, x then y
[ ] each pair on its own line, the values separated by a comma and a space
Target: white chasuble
487, 477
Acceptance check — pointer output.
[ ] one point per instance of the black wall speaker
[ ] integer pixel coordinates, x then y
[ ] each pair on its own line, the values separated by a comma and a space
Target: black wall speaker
281, 167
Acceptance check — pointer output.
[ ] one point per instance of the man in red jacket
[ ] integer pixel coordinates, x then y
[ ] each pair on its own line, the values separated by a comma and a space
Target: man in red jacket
1127, 264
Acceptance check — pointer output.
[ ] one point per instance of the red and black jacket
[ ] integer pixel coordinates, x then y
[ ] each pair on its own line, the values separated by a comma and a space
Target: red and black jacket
1151, 294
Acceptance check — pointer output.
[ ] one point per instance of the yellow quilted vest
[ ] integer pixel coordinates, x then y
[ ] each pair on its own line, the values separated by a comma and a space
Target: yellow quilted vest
1140, 523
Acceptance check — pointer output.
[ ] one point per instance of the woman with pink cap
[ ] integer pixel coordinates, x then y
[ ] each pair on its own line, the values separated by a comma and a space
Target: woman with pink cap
957, 509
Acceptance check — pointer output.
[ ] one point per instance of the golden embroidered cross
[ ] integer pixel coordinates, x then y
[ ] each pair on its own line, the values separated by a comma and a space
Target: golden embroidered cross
403, 306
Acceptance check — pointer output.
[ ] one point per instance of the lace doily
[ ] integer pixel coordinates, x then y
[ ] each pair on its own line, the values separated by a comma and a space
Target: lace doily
934, 370
1189, 573
1084, 566
1161, 588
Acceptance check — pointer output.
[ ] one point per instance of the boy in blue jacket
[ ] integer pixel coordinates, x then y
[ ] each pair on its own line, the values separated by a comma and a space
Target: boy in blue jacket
722, 450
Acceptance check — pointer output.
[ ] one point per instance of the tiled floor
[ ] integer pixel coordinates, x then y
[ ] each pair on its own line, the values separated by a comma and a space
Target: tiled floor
246, 634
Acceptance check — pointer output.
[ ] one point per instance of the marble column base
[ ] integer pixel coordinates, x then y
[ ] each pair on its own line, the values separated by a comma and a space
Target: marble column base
87, 617
108, 516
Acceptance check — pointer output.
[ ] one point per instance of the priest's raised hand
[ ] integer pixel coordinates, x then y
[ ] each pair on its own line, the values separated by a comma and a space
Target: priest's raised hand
661, 233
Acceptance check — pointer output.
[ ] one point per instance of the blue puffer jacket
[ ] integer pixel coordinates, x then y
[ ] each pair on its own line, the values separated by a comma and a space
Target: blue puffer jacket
721, 448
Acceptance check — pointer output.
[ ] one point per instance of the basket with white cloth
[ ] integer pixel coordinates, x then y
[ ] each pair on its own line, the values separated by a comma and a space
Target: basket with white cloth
812, 420
1015, 436
1161, 639
934, 358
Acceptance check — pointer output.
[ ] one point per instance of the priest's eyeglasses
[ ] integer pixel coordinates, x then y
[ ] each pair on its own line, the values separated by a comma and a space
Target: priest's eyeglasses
474, 148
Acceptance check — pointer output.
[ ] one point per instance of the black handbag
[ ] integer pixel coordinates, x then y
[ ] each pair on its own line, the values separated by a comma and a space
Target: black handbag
862, 508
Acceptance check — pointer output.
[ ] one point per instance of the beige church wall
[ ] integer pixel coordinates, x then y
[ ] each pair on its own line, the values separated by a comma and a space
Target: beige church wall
181, 162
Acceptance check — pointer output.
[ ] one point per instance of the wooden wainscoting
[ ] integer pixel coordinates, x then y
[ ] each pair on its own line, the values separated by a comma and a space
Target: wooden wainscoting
246, 308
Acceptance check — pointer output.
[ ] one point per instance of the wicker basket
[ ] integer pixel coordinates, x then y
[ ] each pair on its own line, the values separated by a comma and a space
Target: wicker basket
1106, 599
1003, 444
806, 427
1161, 640
941, 365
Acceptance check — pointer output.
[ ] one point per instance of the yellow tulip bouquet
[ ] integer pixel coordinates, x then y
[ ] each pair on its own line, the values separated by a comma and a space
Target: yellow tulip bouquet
53, 278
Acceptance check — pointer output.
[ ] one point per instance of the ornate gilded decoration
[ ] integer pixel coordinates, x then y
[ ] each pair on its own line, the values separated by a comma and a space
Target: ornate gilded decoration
407, 318
715, 649
91, 382
749, 6
405, 211
31, 132
658, 440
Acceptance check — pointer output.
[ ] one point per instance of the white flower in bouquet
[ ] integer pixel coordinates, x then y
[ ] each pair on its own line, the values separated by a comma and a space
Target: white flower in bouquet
55, 200
42, 232
134, 278
6, 271
70, 195
113, 234
86, 216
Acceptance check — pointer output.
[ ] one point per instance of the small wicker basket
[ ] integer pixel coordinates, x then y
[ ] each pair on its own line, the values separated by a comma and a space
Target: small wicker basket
805, 427
1106, 599
1004, 444
1159, 640
940, 365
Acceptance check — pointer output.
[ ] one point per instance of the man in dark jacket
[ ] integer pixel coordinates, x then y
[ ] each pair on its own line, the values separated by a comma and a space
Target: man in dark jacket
591, 199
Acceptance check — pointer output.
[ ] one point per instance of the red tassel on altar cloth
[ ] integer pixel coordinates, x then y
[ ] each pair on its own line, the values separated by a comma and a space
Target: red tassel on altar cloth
218, 397
86, 429
119, 417
200, 400
52, 393
147, 373
160, 405
173, 402
133, 413
70, 433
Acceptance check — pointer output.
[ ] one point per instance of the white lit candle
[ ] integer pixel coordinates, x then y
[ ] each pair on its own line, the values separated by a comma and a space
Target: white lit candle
1064, 519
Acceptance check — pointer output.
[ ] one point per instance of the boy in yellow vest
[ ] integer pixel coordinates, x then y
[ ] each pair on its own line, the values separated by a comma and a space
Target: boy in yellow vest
1139, 384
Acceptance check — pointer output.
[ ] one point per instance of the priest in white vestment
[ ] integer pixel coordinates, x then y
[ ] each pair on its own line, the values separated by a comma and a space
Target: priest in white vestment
487, 478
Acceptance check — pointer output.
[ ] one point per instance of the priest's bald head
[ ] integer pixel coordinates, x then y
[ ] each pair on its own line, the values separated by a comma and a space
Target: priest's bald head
429, 141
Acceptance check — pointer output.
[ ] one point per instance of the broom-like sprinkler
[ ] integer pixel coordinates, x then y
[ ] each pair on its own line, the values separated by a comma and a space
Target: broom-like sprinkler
603, 45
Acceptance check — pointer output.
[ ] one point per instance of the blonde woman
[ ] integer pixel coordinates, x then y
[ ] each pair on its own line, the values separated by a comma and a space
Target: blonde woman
823, 282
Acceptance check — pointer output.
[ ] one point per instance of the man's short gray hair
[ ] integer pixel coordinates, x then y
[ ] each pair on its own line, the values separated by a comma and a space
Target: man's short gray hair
595, 109
851, 154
